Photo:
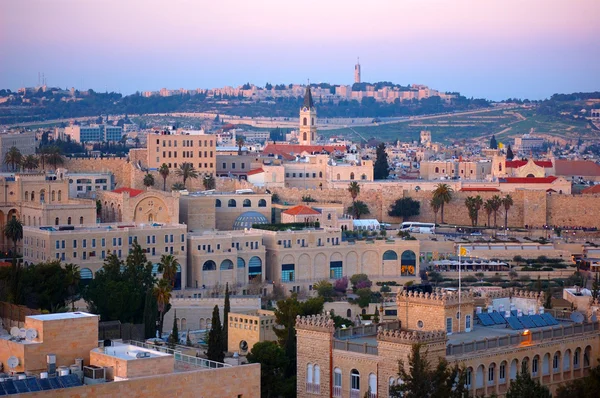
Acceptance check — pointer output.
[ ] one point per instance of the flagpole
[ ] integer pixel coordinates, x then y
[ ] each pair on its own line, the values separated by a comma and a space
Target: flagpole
459, 285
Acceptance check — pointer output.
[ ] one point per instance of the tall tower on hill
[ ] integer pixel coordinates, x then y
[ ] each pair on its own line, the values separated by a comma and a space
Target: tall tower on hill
308, 120
357, 71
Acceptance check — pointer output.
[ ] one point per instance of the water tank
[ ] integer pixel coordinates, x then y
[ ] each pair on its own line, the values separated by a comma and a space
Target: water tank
478, 310
22, 377
541, 310
63, 372
519, 313
79, 363
44, 375
507, 314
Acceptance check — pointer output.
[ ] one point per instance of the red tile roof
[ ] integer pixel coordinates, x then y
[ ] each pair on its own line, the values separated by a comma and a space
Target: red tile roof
255, 171
294, 149
132, 192
528, 180
301, 210
592, 189
474, 189
577, 168
515, 164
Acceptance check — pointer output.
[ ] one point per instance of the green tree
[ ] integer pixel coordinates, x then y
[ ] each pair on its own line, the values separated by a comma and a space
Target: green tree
226, 310
324, 289
13, 230
13, 157
477, 204
435, 204
150, 311
215, 338
354, 190
470, 205
163, 170
162, 295
586, 387
376, 315
364, 297
596, 287
209, 182
381, 168
148, 180
72, 279
548, 298
168, 268
178, 187
54, 156
273, 363
489, 209
239, 141
405, 207
186, 171
443, 193
493, 142
30, 162
495, 204
507, 202
358, 209
525, 386
509, 153
174, 336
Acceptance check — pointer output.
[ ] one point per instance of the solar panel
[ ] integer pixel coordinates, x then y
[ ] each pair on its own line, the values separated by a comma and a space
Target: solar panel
527, 322
54, 383
514, 312
21, 386
549, 319
485, 319
497, 318
514, 323
9, 386
70, 381
44, 384
2, 392
538, 320
32, 384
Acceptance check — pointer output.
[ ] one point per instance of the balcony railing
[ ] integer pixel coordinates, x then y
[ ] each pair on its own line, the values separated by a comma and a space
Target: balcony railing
337, 391
312, 388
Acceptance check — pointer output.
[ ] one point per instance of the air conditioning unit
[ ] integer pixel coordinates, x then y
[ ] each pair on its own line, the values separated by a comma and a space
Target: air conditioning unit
51, 362
94, 375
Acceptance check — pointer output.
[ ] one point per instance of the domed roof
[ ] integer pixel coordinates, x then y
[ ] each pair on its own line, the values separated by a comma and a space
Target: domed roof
247, 219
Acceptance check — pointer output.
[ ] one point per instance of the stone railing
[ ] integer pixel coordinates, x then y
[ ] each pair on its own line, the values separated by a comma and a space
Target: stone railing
315, 322
412, 336
438, 296
517, 293
360, 348
364, 330
541, 335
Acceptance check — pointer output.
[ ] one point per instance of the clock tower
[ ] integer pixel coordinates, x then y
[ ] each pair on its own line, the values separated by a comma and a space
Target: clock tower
308, 120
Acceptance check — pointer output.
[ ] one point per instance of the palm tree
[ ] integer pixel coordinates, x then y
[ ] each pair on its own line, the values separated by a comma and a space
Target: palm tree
507, 202
164, 173
54, 156
13, 230
72, 278
168, 267
488, 208
178, 187
148, 180
30, 162
162, 293
13, 157
185, 171
495, 202
354, 190
443, 193
209, 182
470, 205
477, 203
359, 208
43, 152
239, 141
435, 204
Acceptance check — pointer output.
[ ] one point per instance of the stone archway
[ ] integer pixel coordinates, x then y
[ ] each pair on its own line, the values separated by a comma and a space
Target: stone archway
151, 209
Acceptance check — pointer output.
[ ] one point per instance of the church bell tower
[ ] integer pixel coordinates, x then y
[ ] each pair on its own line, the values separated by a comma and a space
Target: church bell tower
308, 120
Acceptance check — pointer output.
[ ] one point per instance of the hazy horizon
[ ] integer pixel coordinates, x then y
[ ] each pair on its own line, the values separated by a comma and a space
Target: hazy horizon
494, 49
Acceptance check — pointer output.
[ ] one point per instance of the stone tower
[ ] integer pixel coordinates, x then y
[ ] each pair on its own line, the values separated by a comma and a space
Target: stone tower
314, 353
308, 120
357, 71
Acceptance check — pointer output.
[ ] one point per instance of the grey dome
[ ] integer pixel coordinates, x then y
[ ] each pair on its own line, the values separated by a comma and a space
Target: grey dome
247, 219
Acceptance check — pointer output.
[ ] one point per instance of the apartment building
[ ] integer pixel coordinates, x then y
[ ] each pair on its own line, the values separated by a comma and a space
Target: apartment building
88, 245
247, 329
176, 147
455, 169
94, 133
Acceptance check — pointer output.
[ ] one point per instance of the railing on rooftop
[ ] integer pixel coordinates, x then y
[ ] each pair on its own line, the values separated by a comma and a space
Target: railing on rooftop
536, 336
188, 359
364, 330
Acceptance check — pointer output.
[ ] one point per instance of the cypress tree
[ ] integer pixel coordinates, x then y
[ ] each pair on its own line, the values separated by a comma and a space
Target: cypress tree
174, 337
509, 153
150, 315
493, 143
381, 169
215, 338
226, 310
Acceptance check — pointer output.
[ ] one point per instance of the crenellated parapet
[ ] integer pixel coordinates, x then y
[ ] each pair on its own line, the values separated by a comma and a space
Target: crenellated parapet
516, 293
412, 336
437, 297
322, 323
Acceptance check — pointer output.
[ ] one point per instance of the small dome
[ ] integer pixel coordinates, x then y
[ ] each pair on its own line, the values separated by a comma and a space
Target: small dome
247, 219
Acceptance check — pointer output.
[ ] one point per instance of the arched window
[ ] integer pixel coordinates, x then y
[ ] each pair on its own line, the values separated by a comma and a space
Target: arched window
437, 169
499, 166
408, 263
329, 216
363, 177
317, 378
337, 382
218, 203
304, 136
555, 362
254, 267
390, 255
86, 276
309, 373
59, 195
231, 203
373, 384
226, 264
53, 196
338, 177
42, 195
354, 380
246, 203
312, 121
352, 176
348, 313
241, 263
320, 174
32, 196
209, 266
69, 221
183, 324
56, 221
304, 121
26, 196
80, 220
262, 203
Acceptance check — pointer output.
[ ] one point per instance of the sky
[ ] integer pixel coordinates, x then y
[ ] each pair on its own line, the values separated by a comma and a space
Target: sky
494, 49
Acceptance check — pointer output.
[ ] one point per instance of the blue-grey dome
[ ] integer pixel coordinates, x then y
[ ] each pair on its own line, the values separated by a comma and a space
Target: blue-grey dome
247, 219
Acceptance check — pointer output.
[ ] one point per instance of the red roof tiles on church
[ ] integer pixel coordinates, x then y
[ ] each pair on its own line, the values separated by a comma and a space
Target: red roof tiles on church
528, 180
301, 210
132, 192
515, 164
591, 190
577, 168
475, 189
255, 171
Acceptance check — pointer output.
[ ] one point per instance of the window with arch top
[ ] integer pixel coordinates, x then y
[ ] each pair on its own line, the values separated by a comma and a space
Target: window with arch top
262, 203
304, 122
408, 263
209, 266
231, 203
218, 203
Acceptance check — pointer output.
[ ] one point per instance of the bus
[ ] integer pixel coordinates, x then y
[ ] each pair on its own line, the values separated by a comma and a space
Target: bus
418, 227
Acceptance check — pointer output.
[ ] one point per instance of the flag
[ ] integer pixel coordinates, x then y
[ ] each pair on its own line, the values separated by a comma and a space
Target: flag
500, 145
463, 251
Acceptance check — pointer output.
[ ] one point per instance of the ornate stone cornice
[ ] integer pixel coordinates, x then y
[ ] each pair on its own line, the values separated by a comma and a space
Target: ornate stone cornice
412, 336
438, 297
322, 323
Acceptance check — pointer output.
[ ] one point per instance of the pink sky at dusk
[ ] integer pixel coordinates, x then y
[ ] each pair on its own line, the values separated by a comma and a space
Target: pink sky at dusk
492, 48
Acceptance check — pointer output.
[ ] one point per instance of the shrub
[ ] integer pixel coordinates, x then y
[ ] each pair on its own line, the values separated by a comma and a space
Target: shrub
385, 289
341, 285
469, 279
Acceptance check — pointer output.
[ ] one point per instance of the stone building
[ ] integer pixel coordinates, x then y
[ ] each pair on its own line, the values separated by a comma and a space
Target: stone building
24, 142
338, 364
245, 330
139, 206
174, 148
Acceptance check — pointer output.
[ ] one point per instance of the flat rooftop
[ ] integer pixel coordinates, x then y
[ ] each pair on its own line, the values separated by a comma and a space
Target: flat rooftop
130, 352
482, 332
61, 316
100, 227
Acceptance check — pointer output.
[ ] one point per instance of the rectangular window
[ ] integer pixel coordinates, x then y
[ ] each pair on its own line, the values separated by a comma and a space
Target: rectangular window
166, 238
182, 238
287, 272
74, 254
62, 244
335, 269
62, 256
534, 366
131, 240
119, 253
449, 325
468, 322
84, 255
103, 254
148, 239
120, 242
84, 243
94, 242
114, 241
74, 244
491, 374
171, 238
502, 372
154, 251
153, 238
103, 242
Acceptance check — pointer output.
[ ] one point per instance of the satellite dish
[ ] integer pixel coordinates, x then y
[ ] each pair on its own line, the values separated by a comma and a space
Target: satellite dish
31, 334
14, 331
12, 362
22, 333
577, 317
